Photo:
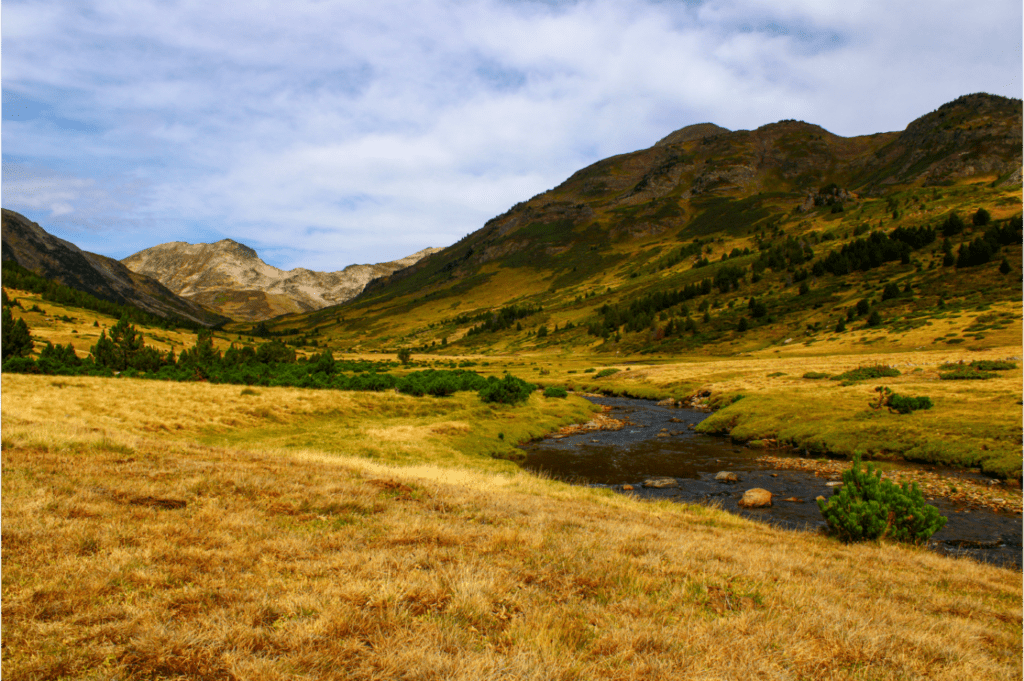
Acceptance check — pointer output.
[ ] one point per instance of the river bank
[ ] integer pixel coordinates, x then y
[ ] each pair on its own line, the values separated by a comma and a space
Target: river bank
654, 452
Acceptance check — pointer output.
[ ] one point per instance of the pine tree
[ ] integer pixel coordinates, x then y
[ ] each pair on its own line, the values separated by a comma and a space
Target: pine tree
16, 341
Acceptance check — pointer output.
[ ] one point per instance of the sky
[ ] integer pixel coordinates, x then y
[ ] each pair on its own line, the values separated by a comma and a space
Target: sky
325, 133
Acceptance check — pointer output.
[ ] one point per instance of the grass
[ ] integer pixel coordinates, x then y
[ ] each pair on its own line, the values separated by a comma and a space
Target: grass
134, 552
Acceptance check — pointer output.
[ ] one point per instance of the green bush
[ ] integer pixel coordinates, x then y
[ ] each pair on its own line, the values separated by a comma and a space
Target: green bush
992, 365
555, 391
867, 508
900, 403
508, 390
966, 374
589, 371
606, 372
815, 375
867, 373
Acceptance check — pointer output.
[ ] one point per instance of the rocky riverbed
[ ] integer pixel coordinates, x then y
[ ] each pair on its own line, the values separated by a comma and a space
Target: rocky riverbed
650, 451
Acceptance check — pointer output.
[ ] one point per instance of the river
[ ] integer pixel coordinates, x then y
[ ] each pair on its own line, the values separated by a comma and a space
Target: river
657, 442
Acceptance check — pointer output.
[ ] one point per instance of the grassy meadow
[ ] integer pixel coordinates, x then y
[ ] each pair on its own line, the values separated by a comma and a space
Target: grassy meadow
156, 530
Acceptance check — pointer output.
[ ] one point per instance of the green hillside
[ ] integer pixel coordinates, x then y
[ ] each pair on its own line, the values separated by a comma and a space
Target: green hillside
718, 243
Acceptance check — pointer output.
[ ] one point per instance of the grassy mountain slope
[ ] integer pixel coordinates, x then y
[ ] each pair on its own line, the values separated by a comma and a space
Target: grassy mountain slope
742, 204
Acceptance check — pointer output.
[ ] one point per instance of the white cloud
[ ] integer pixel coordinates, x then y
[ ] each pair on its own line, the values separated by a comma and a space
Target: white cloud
327, 133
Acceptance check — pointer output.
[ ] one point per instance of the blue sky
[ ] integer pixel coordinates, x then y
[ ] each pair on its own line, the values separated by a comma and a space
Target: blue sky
327, 133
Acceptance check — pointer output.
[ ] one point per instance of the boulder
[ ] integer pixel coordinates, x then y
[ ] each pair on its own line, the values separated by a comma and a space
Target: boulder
628, 488
659, 483
667, 402
756, 498
726, 476
833, 484
757, 444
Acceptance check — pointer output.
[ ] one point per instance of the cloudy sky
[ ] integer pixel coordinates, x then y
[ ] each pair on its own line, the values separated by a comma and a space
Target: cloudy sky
324, 133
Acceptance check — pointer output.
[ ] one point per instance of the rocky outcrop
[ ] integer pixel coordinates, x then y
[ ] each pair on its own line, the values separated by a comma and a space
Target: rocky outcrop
232, 279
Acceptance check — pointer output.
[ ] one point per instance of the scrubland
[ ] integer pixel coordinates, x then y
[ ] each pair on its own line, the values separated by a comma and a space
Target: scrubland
156, 530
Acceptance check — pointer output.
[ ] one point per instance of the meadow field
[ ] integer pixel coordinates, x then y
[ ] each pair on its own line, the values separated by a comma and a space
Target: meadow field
188, 530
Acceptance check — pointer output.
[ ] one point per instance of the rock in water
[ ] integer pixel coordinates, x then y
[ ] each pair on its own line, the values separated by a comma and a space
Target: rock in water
726, 476
658, 483
668, 402
756, 498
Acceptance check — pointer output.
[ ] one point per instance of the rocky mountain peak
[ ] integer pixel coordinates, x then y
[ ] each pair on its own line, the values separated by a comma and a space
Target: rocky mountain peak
230, 277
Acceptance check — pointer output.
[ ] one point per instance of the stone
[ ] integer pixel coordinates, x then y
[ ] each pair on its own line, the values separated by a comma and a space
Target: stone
726, 476
628, 488
756, 498
833, 484
675, 419
775, 475
667, 402
757, 444
794, 500
659, 483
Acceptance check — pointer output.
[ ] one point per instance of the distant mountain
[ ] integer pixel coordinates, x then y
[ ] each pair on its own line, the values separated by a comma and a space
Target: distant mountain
29, 245
231, 278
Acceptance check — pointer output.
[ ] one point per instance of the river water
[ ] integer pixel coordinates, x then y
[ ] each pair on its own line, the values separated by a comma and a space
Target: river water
657, 442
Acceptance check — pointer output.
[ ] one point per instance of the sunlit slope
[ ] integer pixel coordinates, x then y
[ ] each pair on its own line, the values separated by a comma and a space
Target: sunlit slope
641, 223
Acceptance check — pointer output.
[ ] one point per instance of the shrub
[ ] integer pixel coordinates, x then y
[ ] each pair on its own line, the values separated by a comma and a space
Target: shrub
866, 373
867, 507
966, 374
874, 319
815, 375
589, 371
900, 403
992, 365
555, 391
891, 291
508, 390
606, 372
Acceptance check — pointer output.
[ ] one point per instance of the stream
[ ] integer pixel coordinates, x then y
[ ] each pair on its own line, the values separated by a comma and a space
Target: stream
656, 442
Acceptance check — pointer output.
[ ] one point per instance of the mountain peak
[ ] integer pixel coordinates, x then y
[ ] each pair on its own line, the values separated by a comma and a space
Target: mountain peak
691, 132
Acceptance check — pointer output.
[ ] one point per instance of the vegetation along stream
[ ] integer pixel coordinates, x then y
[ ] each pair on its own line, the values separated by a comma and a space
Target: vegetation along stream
657, 442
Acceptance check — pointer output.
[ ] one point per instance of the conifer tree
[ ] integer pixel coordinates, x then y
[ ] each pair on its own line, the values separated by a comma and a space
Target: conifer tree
17, 341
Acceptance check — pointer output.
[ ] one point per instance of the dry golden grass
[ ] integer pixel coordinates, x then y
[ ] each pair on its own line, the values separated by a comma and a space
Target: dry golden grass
138, 554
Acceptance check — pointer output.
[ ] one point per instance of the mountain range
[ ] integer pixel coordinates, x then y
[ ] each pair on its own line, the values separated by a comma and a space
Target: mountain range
230, 278
702, 203
26, 243
656, 220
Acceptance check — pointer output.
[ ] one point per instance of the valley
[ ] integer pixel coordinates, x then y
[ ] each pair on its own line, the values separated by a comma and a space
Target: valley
274, 490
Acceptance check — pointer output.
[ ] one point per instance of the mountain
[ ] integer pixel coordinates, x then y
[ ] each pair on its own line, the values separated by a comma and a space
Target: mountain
231, 278
747, 208
30, 246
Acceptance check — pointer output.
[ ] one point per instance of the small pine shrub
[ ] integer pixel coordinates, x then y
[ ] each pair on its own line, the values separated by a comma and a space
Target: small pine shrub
606, 372
899, 403
869, 508
992, 365
867, 373
508, 390
555, 391
589, 371
815, 375
966, 374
